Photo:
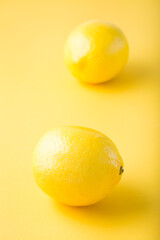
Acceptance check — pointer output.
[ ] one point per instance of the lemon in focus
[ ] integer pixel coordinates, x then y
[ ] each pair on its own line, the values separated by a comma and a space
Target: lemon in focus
96, 52
77, 166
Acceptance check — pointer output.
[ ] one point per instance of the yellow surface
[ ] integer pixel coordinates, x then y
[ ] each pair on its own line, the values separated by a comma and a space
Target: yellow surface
96, 51
38, 93
76, 166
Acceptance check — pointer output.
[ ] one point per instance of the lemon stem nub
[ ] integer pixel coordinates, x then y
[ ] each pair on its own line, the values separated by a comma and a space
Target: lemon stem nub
121, 170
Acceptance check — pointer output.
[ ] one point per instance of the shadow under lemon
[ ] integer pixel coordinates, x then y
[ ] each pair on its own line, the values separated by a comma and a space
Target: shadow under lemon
134, 75
119, 208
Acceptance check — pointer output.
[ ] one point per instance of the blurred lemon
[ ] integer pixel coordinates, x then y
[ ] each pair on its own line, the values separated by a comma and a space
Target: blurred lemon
96, 52
77, 166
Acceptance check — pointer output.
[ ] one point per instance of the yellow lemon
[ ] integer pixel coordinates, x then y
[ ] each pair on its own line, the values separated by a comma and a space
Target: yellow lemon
96, 52
77, 166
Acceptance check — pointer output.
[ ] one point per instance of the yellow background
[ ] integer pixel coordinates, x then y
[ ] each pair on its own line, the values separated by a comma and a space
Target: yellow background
37, 93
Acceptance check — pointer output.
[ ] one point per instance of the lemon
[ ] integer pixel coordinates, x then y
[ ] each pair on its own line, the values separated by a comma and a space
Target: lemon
77, 166
96, 52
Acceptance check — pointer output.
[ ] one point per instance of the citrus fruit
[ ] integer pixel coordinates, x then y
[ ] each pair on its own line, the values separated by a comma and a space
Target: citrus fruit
96, 51
77, 166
